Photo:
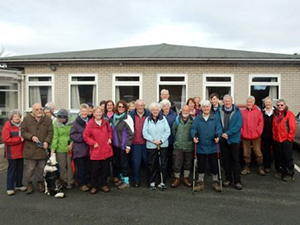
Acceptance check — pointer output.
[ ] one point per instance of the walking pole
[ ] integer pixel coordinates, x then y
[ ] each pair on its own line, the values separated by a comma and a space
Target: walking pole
162, 184
195, 163
219, 164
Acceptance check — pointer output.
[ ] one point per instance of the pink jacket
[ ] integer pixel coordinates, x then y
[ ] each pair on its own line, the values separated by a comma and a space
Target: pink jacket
253, 123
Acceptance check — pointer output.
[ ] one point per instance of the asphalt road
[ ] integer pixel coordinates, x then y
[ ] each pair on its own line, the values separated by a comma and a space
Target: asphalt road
264, 200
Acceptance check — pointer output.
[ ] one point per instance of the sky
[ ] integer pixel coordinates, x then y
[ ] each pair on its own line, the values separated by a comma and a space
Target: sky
34, 26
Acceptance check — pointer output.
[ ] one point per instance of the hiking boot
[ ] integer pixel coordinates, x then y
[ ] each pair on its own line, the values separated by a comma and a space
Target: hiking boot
246, 170
162, 186
278, 175
117, 181
29, 189
226, 183
105, 189
41, 186
288, 178
10, 192
267, 170
84, 188
216, 186
238, 186
22, 188
175, 183
186, 182
124, 186
69, 186
261, 171
152, 187
199, 186
93, 191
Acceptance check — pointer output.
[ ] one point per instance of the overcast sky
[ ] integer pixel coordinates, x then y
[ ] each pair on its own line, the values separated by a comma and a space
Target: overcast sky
35, 26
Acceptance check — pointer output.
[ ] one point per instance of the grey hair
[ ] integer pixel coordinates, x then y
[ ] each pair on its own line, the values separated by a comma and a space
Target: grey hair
165, 102
164, 90
251, 97
268, 98
281, 100
84, 106
138, 101
50, 104
14, 112
227, 96
206, 103
154, 105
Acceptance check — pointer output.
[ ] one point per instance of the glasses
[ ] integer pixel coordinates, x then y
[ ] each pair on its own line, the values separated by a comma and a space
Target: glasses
39, 109
280, 105
121, 107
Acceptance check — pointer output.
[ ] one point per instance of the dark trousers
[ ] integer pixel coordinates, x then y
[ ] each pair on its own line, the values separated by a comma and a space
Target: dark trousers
182, 159
283, 156
83, 170
170, 160
266, 151
212, 161
231, 161
100, 172
14, 173
124, 163
138, 155
116, 162
153, 164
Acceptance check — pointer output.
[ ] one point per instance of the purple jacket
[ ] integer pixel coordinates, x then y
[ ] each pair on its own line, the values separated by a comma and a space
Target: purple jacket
123, 133
80, 148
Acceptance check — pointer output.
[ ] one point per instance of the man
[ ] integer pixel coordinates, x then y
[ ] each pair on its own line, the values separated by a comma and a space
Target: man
284, 129
164, 94
253, 125
138, 148
231, 121
37, 130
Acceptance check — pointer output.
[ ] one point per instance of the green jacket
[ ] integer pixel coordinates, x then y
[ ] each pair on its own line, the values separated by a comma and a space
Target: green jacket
181, 131
61, 136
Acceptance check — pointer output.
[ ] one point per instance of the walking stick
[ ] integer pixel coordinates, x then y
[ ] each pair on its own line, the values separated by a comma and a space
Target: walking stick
195, 163
219, 165
162, 184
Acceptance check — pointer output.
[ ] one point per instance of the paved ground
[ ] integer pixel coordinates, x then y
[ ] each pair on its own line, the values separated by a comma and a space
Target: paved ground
264, 200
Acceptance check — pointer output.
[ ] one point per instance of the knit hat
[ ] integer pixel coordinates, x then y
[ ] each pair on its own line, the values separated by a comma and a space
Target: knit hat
62, 114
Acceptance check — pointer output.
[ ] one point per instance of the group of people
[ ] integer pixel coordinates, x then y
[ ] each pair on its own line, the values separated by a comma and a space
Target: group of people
111, 141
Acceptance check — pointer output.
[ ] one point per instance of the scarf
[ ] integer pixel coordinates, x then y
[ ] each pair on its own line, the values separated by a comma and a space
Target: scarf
16, 124
117, 118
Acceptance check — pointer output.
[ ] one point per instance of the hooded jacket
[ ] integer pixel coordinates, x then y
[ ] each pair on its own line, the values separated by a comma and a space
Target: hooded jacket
253, 123
123, 133
80, 148
181, 131
61, 136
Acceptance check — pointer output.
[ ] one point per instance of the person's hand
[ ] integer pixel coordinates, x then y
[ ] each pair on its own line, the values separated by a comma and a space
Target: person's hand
35, 139
109, 141
225, 136
127, 150
157, 142
52, 152
70, 146
196, 140
217, 140
22, 139
45, 145
96, 145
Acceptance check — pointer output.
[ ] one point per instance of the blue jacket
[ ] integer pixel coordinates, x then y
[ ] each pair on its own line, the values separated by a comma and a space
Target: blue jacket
206, 131
156, 131
234, 126
133, 112
171, 117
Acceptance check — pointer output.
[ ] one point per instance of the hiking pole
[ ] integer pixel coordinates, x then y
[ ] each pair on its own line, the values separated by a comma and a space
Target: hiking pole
195, 163
219, 164
162, 184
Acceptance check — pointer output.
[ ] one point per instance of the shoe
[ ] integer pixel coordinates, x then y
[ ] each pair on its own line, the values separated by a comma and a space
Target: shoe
186, 182
69, 186
238, 186
261, 171
10, 192
123, 186
136, 184
226, 183
22, 188
29, 189
199, 186
105, 189
152, 187
117, 181
84, 188
41, 186
216, 186
278, 175
175, 183
162, 186
93, 191
288, 178
246, 170
267, 170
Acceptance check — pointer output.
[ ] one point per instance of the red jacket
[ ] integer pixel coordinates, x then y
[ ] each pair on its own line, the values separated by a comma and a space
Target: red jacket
93, 134
13, 144
284, 126
253, 123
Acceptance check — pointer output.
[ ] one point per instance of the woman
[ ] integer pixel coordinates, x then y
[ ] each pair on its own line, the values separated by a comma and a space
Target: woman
267, 136
197, 104
156, 131
13, 146
109, 111
81, 154
47, 111
97, 135
122, 139
62, 145
192, 105
206, 130
171, 117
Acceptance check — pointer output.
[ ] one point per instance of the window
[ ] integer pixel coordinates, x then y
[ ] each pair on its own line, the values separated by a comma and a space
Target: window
127, 87
176, 84
263, 85
221, 84
40, 89
83, 89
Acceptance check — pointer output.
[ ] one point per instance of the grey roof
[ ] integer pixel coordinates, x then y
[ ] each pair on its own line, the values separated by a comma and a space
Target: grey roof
154, 52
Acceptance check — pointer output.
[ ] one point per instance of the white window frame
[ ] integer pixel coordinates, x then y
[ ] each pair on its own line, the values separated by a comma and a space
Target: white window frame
159, 82
127, 83
278, 83
38, 83
95, 82
217, 84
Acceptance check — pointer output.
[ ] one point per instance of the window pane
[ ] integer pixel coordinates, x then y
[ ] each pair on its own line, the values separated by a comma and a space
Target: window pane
83, 79
221, 91
82, 94
265, 79
177, 94
261, 91
218, 79
171, 78
127, 93
127, 78
9, 87
40, 79
42, 94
